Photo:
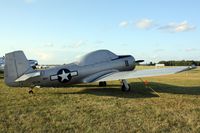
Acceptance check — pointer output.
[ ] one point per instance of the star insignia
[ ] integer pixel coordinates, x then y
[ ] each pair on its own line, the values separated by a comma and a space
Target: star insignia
64, 76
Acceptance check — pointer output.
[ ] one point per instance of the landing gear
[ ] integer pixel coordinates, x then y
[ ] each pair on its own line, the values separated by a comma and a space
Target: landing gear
125, 86
30, 91
102, 84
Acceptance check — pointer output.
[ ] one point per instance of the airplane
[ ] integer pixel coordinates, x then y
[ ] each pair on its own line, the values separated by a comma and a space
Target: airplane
33, 63
1, 64
97, 66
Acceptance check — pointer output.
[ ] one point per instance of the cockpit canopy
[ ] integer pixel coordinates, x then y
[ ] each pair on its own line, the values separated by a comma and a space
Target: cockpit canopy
97, 57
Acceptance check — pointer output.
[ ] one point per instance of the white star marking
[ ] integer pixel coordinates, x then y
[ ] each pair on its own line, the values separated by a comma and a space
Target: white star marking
64, 76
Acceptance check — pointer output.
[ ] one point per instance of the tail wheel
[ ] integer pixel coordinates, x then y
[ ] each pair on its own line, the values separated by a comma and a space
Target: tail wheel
102, 84
30, 91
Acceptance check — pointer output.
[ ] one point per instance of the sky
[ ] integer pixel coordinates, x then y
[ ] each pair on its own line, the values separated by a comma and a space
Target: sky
61, 31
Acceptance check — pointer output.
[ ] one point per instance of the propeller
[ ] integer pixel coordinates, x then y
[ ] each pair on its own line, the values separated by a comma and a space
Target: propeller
139, 61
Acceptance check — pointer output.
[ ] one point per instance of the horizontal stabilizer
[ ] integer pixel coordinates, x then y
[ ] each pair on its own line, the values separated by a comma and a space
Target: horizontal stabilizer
27, 76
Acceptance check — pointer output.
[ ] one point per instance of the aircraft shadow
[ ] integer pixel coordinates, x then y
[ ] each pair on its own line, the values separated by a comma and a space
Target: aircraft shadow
166, 88
138, 90
113, 91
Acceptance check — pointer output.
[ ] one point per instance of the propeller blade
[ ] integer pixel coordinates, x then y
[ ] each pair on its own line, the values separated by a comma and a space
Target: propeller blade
139, 61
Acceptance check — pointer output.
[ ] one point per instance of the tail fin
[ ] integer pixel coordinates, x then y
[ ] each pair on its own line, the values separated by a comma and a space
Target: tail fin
16, 64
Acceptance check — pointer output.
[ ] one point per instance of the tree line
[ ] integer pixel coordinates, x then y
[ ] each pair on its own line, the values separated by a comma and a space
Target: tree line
180, 63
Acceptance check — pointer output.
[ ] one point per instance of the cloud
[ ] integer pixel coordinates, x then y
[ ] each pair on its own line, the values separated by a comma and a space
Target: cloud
144, 23
42, 55
172, 27
177, 27
192, 49
124, 24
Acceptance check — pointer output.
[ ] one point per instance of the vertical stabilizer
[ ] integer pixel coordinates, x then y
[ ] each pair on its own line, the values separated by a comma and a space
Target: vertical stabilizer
16, 64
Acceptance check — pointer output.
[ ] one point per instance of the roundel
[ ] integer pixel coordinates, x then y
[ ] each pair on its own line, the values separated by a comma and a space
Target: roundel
64, 75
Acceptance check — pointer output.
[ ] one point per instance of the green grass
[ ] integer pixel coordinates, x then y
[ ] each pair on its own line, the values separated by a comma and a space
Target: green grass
89, 108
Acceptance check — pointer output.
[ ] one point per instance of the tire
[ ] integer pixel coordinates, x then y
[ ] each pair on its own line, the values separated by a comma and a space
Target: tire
102, 84
124, 89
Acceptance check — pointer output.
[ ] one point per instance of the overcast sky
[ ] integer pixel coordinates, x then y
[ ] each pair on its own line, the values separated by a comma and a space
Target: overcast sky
61, 31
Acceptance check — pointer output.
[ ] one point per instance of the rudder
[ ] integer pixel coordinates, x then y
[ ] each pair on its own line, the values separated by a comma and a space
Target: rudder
16, 64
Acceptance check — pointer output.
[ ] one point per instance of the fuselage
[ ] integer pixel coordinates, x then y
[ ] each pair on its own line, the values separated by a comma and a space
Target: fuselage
76, 73
90, 68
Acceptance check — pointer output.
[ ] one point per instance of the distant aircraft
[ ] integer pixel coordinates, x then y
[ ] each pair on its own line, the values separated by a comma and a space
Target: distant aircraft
98, 66
1, 64
32, 63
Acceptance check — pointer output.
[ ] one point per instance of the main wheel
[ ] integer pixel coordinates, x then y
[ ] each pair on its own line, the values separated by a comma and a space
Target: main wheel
102, 84
126, 89
30, 91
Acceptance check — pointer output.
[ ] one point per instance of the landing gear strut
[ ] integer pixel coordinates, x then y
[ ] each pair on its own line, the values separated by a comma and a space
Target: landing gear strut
102, 84
30, 91
125, 86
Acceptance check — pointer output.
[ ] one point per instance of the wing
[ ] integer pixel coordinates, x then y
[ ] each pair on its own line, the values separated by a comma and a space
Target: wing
142, 73
94, 77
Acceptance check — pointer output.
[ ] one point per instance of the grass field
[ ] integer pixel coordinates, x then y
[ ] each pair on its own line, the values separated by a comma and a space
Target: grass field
89, 108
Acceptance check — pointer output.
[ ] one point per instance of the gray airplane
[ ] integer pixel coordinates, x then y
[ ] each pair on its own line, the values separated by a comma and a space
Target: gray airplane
2, 64
98, 66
